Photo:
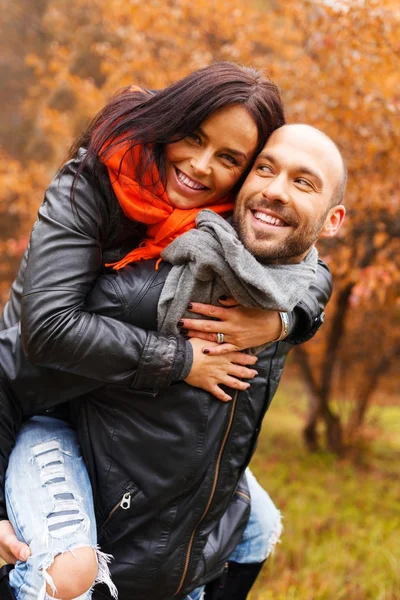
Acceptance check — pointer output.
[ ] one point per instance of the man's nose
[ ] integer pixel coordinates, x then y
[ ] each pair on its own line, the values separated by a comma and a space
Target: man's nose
201, 163
276, 189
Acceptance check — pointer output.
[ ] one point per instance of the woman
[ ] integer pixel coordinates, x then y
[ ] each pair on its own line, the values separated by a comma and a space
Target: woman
57, 331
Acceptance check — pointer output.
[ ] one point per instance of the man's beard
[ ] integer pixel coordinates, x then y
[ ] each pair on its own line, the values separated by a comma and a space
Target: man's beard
299, 241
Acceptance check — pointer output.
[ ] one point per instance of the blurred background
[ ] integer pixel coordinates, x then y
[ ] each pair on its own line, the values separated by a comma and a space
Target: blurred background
330, 449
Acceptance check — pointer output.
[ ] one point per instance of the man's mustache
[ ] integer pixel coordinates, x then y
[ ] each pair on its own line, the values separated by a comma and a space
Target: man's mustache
287, 215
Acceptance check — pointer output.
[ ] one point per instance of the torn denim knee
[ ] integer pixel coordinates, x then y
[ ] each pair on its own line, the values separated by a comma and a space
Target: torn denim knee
103, 575
66, 516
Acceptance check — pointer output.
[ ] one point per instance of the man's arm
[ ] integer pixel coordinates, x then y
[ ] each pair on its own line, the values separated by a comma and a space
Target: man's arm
308, 315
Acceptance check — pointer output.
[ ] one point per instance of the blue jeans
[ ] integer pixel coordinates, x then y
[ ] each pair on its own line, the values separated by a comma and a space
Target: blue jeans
50, 505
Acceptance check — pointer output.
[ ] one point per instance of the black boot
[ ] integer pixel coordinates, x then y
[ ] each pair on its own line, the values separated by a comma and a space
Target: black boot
6, 592
234, 583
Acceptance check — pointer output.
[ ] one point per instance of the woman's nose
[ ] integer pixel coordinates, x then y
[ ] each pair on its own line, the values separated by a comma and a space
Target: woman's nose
201, 163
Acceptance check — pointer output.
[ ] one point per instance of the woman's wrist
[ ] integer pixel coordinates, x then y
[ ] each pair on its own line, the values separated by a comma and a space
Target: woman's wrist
187, 362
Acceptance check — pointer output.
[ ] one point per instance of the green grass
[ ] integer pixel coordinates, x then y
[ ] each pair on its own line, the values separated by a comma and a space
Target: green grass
341, 518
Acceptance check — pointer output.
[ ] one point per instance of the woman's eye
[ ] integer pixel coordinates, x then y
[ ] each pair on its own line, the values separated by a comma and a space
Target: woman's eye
194, 138
230, 159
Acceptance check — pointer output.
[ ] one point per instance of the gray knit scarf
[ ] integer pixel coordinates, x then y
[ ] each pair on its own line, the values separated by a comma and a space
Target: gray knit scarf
210, 261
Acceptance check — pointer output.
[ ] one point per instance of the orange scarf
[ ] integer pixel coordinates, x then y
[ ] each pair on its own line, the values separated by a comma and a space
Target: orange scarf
149, 203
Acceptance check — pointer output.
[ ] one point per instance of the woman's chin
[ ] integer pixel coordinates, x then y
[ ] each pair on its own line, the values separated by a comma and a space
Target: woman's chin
190, 201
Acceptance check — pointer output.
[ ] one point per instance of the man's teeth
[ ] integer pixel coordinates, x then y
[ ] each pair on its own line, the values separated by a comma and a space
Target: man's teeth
189, 182
269, 219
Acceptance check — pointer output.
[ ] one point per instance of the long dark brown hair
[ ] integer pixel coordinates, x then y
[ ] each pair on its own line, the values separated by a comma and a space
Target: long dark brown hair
155, 119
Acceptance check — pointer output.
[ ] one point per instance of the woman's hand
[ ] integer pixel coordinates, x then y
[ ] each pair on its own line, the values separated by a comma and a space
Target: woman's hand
209, 372
242, 327
11, 549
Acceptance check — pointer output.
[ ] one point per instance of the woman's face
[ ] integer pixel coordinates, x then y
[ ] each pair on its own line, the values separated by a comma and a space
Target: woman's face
202, 168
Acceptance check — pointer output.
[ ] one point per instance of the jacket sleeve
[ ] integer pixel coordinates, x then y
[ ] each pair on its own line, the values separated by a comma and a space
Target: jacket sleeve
26, 390
65, 258
308, 315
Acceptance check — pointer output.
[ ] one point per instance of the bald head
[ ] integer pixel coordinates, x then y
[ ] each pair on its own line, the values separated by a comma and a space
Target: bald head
292, 195
318, 145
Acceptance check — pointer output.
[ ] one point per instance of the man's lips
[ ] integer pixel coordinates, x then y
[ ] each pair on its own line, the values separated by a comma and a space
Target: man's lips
269, 218
188, 181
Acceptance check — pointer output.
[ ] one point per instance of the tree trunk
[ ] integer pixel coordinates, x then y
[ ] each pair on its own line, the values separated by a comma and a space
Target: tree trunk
364, 397
310, 434
334, 433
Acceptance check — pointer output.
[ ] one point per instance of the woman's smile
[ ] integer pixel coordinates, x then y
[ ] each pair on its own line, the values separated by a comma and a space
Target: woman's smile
188, 182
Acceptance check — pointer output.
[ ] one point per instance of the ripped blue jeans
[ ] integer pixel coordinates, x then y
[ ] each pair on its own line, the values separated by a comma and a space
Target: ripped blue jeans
50, 505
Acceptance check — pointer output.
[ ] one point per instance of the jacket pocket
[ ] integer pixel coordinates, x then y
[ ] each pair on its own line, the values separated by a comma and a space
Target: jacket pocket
122, 504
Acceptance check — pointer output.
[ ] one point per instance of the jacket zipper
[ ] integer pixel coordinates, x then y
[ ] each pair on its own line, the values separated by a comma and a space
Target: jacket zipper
240, 493
124, 504
212, 494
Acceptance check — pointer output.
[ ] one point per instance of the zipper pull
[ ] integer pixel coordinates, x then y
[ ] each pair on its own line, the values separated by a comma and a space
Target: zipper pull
126, 501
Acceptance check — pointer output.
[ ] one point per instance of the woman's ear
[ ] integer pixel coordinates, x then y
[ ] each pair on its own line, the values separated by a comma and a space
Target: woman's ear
333, 221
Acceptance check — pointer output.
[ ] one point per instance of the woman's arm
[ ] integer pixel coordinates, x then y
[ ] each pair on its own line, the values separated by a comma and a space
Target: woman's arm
250, 327
64, 260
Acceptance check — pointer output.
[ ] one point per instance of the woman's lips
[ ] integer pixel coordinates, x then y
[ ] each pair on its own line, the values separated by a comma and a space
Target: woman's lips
187, 182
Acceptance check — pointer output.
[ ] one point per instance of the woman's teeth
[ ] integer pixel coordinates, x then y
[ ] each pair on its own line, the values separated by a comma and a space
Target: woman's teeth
194, 185
269, 219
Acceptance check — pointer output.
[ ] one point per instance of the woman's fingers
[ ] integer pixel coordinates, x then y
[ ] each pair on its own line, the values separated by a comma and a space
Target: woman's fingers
208, 310
220, 349
241, 358
242, 372
220, 394
209, 372
211, 337
242, 327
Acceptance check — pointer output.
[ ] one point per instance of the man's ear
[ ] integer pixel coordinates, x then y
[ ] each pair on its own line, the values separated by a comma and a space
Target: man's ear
333, 221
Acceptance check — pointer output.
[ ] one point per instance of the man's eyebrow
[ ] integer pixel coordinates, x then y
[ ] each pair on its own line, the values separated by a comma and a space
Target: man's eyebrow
230, 150
297, 168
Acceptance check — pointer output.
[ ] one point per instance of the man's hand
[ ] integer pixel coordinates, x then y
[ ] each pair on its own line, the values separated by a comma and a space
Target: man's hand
242, 327
11, 549
209, 372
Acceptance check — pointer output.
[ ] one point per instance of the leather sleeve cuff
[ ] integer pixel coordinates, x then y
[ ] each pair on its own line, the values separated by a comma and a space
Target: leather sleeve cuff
303, 325
187, 361
164, 359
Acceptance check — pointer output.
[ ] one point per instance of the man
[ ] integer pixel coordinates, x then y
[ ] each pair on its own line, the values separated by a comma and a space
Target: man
291, 198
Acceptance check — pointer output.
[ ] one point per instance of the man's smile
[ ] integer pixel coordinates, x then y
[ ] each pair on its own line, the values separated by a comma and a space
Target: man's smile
268, 218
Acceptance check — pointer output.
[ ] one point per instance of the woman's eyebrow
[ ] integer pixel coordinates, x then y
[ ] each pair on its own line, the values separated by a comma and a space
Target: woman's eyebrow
236, 152
230, 150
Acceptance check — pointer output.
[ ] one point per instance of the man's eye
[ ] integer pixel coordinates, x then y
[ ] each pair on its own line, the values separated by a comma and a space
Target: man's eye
265, 169
302, 181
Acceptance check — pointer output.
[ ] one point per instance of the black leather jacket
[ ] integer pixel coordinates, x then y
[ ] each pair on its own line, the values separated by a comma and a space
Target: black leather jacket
173, 453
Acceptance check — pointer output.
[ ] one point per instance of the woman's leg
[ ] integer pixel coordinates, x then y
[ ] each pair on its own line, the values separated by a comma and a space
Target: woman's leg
262, 532
197, 594
264, 527
50, 505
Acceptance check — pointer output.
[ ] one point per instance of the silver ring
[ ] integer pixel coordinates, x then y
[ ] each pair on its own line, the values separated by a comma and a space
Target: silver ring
220, 338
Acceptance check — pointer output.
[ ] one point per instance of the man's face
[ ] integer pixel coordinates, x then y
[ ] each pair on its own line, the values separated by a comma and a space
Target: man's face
284, 204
